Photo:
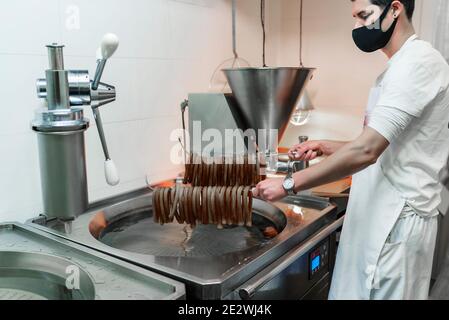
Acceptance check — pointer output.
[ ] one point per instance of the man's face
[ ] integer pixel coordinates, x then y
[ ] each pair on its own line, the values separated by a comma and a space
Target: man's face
365, 13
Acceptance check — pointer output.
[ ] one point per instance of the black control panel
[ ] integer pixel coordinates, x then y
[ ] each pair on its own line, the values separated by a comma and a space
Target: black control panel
319, 260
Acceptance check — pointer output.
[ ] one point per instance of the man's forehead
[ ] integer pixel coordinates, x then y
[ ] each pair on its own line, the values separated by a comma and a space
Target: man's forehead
360, 6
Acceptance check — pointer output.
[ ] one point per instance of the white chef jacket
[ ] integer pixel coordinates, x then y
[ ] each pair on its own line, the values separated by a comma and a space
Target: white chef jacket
412, 113
388, 238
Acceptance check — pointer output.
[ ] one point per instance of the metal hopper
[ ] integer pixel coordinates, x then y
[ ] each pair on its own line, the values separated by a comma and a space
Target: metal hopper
266, 97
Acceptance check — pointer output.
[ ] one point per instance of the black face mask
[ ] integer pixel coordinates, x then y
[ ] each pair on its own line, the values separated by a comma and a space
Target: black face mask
372, 38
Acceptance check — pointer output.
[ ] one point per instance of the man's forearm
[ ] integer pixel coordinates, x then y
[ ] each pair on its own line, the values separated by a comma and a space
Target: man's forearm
349, 158
329, 147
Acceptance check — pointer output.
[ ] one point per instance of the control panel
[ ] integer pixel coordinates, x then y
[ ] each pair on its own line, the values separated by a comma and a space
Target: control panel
319, 260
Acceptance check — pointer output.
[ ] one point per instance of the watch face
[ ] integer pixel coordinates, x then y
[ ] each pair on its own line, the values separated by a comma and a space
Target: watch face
289, 184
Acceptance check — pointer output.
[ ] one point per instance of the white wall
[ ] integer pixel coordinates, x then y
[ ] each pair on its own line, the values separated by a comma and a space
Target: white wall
168, 48
344, 75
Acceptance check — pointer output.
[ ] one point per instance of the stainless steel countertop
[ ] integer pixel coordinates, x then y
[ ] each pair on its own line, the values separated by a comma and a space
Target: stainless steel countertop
25, 250
214, 276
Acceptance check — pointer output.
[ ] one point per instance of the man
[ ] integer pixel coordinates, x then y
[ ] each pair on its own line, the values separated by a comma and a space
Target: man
388, 239
439, 289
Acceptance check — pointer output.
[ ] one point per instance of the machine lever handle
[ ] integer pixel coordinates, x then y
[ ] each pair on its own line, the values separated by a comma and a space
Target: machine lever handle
109, 45
110, 170
106, 94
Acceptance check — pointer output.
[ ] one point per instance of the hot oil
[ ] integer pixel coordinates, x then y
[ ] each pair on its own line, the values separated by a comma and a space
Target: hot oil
140, 234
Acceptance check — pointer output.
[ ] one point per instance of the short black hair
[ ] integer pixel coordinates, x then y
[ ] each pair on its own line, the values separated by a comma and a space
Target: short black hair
409, 5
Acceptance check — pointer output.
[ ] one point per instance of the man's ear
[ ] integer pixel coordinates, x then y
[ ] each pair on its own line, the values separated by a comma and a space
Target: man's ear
397, 7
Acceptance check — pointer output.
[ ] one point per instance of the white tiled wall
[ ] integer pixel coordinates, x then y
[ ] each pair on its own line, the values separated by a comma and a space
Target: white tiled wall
168, 48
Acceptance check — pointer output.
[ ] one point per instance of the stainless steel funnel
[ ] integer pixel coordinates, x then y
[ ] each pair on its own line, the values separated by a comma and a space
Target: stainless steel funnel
267, 97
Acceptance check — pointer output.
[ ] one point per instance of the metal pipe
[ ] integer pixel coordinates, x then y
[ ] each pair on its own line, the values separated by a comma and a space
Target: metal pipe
55, 56
302, 165
97, 117
234, 29
57, 89
79, 88
57, 79
98, 73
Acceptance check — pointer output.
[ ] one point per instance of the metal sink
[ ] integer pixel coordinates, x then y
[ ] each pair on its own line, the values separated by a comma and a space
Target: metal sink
33, 276
35, 265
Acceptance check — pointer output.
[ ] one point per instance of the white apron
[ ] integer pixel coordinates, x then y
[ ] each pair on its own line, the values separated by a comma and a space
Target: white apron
374, 208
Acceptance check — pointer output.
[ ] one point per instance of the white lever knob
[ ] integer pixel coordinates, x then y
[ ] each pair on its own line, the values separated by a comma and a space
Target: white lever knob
98, 54
111, 173
109, 45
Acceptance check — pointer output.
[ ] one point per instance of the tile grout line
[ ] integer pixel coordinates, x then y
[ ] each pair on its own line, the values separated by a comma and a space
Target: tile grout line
19, 133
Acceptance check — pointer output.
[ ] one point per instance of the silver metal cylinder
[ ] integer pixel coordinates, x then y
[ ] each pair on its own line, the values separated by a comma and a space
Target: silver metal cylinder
63, 174
57, 79
41, 88
302, 165
56, 56
58, 96
79, 88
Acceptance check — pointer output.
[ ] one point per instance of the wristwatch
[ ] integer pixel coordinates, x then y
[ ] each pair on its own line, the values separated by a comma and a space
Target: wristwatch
289, 182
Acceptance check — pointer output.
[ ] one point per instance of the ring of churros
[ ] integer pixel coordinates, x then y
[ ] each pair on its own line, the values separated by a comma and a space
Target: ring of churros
224, 171
206, 205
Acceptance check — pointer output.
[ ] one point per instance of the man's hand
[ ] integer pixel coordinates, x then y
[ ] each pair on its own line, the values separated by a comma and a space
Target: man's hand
306, 151
310, 150
270, 190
